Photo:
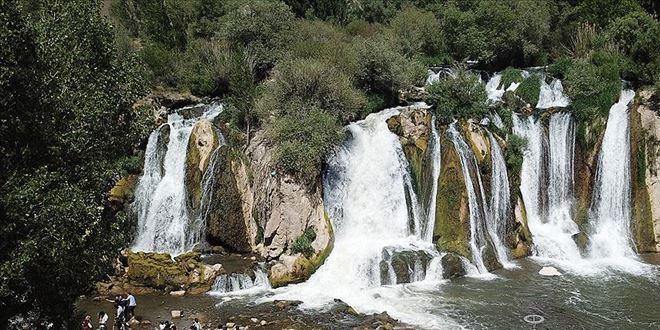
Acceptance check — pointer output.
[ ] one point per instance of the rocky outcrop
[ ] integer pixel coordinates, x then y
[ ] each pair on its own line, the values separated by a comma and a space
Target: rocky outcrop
452, 221
122, 192
284, 209
229, 217
645, 153
403, 265
521, 237
201, 144
146, 272
452, 266
413, 126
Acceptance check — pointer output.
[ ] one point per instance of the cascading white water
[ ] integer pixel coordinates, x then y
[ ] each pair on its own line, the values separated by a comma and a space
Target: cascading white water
560, 187
552, 237
477, 236
163, 219
499, 200
493, 88
436, 163
552, 95
610, 209
365, 197
233, 283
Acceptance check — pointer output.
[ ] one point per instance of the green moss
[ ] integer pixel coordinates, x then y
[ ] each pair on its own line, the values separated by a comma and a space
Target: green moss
450, 233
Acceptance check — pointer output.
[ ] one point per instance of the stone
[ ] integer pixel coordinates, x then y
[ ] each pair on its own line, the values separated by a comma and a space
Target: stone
254, 320
263, 322
202, 142
145, 322
179, 293
230, 324
549, 271
176, 314
452, 266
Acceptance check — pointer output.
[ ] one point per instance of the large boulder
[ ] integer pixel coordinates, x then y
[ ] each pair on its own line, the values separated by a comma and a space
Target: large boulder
405, 266
160, 272
452, 266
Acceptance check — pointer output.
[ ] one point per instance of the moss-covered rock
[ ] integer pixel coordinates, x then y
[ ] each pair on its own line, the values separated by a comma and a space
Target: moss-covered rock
402, 264
642, 216
452, 266
122, 192
520, 238
226, 221
451, 230
649, 110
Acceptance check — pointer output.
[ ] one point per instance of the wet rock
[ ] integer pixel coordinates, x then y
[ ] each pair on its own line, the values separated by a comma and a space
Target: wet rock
230, 223
581, 240
549, 271
179, 293
490, 258
408, 266
452, 266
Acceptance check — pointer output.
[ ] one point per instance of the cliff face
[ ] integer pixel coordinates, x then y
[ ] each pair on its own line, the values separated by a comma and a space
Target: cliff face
645, 156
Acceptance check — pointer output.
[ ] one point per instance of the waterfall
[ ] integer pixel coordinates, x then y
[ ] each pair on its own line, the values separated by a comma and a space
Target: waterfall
468, 162
493, 88
365, 196
552, 225
552, 95
560, 188
227, 283
500, 196
610, 209
163, 218
436, 163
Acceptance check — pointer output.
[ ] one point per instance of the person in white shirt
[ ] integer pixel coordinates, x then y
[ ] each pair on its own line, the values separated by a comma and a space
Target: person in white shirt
103, 320
130, 309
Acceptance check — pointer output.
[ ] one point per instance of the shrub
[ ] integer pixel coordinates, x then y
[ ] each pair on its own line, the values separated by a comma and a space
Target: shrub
592, 89
514, 155
303, 243
162, 64
383, 69
203, 68
529, 89
303, 139
462, 96
314, 83
637, 35
262, 27
418, 32
510, 75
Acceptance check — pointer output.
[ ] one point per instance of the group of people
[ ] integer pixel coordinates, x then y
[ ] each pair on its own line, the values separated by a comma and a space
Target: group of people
166, 325
124, 311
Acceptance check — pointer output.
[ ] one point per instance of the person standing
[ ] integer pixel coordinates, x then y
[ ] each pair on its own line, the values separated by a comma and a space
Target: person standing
103, 320
87, 323
130, 310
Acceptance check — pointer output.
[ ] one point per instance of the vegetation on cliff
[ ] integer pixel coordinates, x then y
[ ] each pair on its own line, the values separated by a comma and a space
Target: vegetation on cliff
298, 69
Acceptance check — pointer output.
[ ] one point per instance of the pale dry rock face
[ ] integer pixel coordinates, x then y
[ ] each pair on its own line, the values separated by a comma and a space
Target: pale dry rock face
651, 125
204, 139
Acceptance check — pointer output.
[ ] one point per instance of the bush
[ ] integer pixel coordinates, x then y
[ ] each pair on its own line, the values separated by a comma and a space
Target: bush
313, 83
462, 96
203, 69
514, 156
262, 27
383, 69
592, 89
302, 140
510, 75
303, 243
637, 35
417, 32
529, 89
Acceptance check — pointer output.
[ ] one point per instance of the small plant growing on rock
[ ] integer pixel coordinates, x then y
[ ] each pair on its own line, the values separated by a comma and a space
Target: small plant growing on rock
303, 243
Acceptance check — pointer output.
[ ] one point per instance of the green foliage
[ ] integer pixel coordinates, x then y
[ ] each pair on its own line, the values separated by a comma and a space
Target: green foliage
303, 139
510, 75
303, 243
529, 89
261, 27
67, 130
513, 155
417, 32
592, 89
637, 35
460, 97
